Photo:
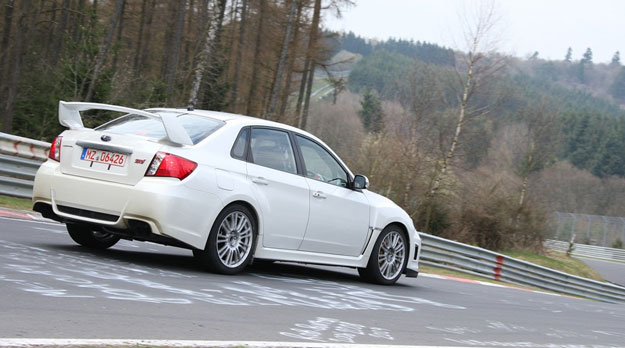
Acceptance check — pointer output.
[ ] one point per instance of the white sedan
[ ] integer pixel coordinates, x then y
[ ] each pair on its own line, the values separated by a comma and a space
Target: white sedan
231, 188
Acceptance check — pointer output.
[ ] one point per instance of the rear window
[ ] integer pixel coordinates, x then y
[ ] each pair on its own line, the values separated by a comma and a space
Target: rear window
198, 127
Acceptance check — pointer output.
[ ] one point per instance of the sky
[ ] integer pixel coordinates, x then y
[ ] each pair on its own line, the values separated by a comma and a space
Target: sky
524, 26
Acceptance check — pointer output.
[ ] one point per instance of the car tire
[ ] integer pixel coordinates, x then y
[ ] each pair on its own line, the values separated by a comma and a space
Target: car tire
388, 258
87, 237
231, 241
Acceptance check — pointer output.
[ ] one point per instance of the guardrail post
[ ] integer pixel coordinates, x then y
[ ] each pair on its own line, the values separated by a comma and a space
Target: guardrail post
605, 229
498, 267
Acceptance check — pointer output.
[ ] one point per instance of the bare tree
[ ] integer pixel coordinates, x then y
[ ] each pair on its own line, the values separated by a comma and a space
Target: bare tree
60, 33
309, 66
6, 34
251, 96
16, 65
101, 58
280, 70
541, 140
234, 95
479, 62
210, 38
174, 51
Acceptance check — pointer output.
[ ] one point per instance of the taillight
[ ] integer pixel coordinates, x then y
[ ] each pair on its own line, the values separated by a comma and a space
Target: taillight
168, 165
55, 149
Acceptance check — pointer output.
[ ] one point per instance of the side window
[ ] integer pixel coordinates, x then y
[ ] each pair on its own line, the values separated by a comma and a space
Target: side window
238, 149
272, 148
320, 165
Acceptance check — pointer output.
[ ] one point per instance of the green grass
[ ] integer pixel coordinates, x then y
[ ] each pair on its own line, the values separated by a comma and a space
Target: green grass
558, 261
16, 203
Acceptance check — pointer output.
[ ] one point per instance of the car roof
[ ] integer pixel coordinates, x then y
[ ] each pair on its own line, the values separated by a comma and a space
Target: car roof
238, 119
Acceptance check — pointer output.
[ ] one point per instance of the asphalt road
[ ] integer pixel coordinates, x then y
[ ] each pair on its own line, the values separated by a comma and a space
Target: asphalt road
52, 288
611, 271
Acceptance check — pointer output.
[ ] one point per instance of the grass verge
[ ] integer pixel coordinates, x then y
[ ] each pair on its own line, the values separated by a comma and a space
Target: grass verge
16, 203
557, 261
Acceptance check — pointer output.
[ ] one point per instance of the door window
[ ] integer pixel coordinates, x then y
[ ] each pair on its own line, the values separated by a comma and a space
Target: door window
320, 165
272, 148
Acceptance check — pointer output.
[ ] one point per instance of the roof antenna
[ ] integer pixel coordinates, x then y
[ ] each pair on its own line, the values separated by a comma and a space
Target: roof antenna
190, 107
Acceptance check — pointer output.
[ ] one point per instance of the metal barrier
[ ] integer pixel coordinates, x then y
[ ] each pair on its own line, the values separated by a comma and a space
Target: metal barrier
17, 180
584, 250
19, 161
439, 252
24, 147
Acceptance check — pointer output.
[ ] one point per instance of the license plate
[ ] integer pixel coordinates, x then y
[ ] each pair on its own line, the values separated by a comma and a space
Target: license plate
106, 157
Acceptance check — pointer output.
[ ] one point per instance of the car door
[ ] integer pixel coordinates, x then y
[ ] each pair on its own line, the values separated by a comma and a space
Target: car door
283, 194
338, 222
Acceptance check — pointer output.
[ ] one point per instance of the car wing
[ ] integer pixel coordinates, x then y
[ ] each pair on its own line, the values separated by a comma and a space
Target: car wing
69, 116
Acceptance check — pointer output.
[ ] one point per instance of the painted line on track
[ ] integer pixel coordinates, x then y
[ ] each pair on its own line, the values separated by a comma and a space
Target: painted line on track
68, 342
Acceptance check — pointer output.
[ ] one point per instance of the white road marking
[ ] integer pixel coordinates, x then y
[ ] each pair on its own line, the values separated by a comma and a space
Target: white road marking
334, 330
30, 342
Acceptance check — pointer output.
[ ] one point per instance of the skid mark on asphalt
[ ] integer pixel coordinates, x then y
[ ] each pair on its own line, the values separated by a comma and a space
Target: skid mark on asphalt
323, 329
59, 274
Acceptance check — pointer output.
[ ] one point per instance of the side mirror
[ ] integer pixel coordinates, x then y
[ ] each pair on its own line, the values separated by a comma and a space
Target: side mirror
360, 182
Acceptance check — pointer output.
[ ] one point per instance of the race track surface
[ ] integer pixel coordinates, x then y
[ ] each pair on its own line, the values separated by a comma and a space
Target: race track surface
52, 288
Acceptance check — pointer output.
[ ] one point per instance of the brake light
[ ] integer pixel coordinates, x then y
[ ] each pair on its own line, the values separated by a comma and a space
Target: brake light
168, 165
55, 149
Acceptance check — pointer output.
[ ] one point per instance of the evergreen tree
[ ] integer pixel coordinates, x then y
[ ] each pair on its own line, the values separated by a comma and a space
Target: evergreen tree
569, 55
584, 64
587, 57
616, 59
371, 112
617, 89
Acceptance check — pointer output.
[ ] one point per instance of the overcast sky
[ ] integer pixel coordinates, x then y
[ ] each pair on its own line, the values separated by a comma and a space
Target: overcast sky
546, 26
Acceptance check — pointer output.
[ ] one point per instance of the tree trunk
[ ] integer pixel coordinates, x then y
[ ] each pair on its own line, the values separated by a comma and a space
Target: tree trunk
302, 90
314, 29
174, 52
101, 58
284, 98
256, 66
20, 44
210, 38
50, 36
237, 63
454, 143
187, 58
279, 71
77, 27
120, 30
4, 44
58, 43
148, 38
137, 60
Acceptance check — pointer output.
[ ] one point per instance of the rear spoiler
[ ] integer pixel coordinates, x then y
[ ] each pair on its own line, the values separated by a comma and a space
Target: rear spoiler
69, 116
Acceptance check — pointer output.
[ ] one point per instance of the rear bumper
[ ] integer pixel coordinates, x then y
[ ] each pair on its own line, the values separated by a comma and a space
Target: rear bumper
167, 205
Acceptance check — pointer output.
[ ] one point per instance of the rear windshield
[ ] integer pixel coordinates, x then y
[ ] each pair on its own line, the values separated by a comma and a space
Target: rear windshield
198, 127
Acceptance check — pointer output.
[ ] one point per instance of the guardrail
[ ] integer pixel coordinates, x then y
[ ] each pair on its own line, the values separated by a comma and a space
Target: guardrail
17, 180
440, 252
585, 250
24, 147
19, 160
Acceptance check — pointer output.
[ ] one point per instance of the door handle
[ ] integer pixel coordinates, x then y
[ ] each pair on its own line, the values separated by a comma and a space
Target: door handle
319, 194
260, 180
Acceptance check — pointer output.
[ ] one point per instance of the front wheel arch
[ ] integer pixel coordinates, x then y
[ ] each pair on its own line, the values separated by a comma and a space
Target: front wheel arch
372, 272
